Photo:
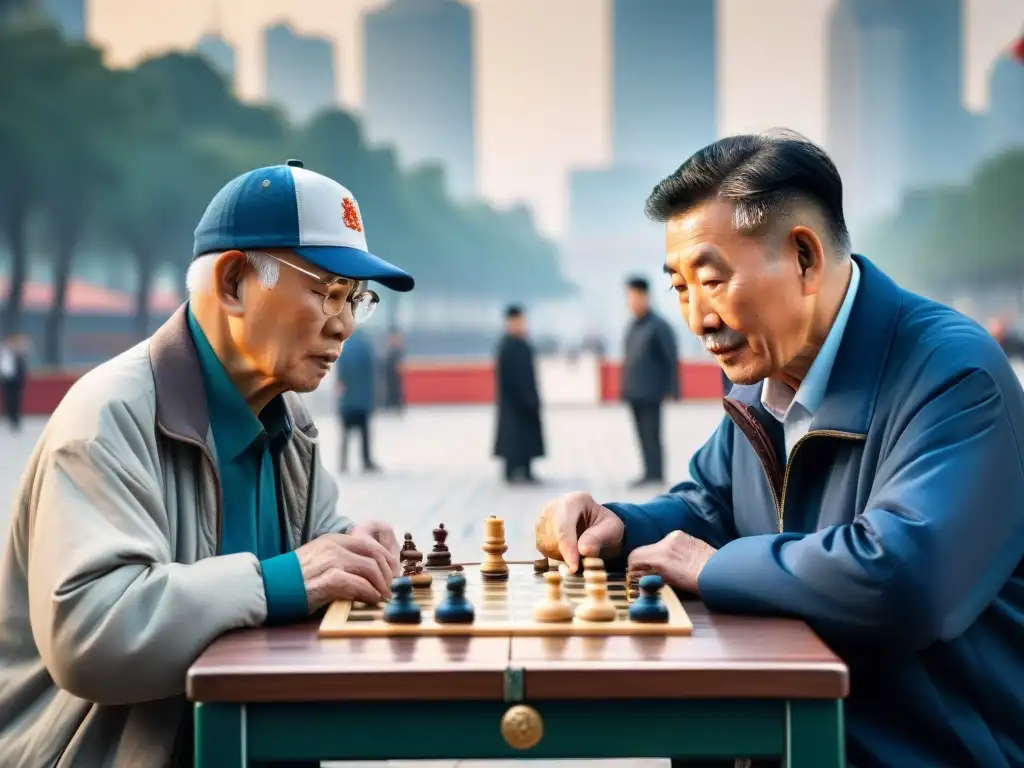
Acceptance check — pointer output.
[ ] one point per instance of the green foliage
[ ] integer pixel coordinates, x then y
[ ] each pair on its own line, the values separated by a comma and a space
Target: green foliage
969, 235
131, 158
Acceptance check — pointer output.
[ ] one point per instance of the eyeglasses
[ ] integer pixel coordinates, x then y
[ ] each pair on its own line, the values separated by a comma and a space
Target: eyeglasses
341, 291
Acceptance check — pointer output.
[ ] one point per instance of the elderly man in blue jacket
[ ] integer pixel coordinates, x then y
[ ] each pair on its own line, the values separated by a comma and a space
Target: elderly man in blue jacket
867, 476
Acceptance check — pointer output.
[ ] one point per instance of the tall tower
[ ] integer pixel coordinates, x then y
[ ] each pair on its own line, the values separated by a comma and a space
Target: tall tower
420, 86
664, 81
299, 72
68, 15
895, 114
215, 49
1004, 125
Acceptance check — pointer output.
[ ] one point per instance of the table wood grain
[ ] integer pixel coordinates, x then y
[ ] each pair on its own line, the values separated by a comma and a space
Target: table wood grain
726, 657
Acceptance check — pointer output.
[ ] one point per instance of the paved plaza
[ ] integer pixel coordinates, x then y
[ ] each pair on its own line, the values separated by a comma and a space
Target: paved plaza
438, 468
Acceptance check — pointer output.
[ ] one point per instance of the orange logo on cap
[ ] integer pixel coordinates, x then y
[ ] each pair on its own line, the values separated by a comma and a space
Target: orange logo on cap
350, 214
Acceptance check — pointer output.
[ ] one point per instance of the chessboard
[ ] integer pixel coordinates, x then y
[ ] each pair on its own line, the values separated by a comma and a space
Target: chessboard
498, 598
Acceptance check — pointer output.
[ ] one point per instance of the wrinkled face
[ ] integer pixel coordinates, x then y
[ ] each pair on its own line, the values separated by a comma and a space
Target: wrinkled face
750, 300
283, 332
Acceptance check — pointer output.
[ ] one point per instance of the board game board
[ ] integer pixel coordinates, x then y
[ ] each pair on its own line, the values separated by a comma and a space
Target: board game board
503, 608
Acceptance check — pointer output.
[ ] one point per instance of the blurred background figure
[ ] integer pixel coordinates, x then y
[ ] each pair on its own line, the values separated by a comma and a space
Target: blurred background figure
394, 357
356, 391
1009, 338
520, 437
13, 376
650, 375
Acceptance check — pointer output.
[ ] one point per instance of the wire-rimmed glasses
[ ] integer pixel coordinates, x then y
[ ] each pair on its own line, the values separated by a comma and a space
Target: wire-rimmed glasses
341, 291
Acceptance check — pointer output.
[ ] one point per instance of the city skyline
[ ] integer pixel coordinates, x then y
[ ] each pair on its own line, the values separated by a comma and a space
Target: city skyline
762, 80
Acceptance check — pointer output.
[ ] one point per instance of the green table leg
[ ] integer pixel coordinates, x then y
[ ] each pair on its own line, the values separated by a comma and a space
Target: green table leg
220, 736
815, 734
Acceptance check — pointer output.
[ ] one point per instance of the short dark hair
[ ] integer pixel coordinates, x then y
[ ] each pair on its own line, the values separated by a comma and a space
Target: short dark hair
763, 176
638, 284
513, 310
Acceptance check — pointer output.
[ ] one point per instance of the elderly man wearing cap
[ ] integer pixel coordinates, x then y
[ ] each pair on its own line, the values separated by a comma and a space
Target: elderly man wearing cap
177, 491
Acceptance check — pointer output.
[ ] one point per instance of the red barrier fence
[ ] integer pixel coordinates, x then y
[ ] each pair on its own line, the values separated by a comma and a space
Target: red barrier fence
426, 383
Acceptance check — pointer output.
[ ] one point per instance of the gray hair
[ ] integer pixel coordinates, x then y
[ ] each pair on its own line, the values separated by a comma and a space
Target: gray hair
200, 271
762, 175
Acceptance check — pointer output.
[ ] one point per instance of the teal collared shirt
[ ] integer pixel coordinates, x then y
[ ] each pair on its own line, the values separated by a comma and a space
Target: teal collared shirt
796, 410
247, 450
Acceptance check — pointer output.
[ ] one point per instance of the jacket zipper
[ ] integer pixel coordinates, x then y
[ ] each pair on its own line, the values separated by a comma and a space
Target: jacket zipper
833, 433
738, 414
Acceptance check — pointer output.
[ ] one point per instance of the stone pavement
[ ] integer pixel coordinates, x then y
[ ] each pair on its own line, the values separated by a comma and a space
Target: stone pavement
438, 468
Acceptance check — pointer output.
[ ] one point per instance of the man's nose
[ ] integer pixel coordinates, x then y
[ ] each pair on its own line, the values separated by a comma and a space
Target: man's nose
700, 318
338, 327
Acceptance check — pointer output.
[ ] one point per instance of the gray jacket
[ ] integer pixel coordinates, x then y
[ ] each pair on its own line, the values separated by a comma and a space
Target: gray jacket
110, 581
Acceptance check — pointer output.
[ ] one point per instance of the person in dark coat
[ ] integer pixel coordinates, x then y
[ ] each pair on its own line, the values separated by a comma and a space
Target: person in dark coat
394, 396
356, 382
13, 377
520, 437
650, 375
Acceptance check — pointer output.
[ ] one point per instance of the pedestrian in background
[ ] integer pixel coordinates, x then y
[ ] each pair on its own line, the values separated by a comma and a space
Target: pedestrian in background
650, 375
520, 436
357, 368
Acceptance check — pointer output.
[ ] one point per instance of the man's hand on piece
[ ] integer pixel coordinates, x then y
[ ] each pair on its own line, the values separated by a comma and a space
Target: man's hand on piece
576, 526
340, 566
678, 559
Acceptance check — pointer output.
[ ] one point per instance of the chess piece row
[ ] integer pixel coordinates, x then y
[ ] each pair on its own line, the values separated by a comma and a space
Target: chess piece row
493, 567
598, 606
454, 609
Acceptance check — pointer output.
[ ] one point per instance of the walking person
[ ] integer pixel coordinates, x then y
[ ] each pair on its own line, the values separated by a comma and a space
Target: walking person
356, 385
650, 375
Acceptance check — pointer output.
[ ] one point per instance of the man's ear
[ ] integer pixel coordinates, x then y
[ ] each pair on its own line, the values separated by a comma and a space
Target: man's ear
228, 271
810, 257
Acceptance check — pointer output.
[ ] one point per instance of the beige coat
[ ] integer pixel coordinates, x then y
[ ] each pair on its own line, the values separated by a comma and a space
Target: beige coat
110, 580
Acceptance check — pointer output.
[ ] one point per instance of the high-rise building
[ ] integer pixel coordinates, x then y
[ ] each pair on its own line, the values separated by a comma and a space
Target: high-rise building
896, 118
664, 108
219, 53
299, 72
664, 81
1004, 124
68, 15
420, 86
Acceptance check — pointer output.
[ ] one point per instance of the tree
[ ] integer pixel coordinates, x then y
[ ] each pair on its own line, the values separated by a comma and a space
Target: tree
971, 234
90, 117
26, 136
170, 170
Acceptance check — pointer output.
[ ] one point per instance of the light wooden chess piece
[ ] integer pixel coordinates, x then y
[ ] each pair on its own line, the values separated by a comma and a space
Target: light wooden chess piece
597, 606
553, 607
494, 567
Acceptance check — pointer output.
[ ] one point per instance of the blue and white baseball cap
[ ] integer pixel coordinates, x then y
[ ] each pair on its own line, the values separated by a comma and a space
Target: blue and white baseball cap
288, 206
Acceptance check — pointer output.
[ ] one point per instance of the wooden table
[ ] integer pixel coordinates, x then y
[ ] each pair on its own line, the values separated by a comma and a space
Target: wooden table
739, 687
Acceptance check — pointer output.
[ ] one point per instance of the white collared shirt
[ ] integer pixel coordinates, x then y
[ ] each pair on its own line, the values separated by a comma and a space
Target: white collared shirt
795, 409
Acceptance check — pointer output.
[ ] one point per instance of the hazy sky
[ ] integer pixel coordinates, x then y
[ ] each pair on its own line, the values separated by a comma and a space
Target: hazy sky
547, 63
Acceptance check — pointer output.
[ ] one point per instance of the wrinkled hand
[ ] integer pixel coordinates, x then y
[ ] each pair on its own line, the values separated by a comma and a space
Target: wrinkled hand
339, 566
379, 532
576, 526
678, 559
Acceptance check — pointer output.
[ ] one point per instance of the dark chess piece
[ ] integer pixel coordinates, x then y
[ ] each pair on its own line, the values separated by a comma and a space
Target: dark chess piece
649, 608
455, 608
439, 556
412, 569
407, 546
402, 609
